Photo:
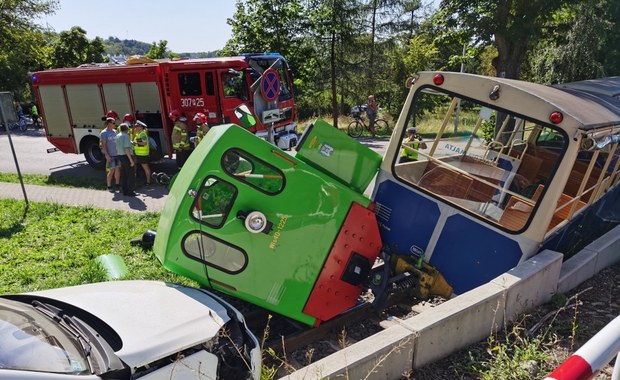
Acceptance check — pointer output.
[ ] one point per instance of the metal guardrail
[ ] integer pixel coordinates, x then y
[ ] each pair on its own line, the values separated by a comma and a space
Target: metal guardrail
593, 356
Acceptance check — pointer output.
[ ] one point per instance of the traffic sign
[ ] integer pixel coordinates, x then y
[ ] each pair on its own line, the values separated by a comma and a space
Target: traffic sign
270, 85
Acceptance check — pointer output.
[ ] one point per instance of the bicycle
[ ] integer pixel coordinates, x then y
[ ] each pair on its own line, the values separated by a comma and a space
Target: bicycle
22, 124
358, 126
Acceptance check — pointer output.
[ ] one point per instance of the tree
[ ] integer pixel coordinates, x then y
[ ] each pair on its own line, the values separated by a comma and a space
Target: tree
23, 43
388, 19
158, 50
512, 26
577, 44
72, 48
336, 26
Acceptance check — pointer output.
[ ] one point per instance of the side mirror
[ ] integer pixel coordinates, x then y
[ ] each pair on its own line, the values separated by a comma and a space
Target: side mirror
245, 116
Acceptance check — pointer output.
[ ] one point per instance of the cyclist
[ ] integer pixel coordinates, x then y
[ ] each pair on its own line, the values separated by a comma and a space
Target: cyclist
371, 112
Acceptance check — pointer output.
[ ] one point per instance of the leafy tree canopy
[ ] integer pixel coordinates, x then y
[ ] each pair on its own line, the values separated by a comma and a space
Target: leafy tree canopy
23, 43
72, 48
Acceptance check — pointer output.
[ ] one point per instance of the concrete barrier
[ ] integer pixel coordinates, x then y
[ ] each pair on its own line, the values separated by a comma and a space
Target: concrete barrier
466, 319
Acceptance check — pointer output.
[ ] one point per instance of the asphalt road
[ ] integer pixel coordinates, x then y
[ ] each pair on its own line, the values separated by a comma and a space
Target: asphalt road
31, 153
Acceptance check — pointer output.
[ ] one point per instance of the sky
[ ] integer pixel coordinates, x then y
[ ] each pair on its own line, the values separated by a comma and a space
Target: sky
189, 26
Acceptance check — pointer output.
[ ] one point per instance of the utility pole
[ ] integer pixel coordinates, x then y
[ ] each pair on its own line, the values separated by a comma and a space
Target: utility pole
7, 111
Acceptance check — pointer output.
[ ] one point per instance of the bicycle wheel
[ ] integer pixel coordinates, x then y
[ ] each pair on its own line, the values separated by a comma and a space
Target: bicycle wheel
382, 127
355, 128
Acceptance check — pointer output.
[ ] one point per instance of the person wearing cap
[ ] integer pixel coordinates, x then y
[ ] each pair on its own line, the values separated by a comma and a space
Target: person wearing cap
414, 141
180, 137
108, 147
142, 149
125, 149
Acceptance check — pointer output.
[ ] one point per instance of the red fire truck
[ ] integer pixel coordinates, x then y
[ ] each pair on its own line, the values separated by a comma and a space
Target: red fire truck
73, 100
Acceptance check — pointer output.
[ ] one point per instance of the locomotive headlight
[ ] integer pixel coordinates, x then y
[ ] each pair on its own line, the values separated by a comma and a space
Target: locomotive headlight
256, 222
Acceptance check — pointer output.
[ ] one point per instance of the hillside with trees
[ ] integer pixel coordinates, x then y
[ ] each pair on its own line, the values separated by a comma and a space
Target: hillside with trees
342, 50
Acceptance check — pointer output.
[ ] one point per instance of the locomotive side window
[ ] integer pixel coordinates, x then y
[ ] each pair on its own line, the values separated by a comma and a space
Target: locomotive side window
213, 202
253, 171
214, 252
189, 84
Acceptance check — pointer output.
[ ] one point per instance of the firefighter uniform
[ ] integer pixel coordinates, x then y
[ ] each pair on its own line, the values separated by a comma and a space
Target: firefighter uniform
201, 132
180, 142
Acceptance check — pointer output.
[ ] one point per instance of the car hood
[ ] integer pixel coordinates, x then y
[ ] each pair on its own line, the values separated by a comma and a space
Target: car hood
154, 319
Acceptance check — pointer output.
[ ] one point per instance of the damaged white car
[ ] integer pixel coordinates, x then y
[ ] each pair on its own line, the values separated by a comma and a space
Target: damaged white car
125, 330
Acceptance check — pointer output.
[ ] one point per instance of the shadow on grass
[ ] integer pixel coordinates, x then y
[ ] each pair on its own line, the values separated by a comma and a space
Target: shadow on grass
17, 226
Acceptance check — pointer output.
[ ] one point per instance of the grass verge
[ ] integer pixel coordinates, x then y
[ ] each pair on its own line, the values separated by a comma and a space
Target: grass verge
52, 245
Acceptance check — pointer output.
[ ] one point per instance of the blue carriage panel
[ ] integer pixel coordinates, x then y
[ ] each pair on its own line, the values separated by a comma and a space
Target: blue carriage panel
470, 254
406, 218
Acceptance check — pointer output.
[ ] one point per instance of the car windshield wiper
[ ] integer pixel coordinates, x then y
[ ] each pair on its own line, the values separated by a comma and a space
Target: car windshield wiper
70, 324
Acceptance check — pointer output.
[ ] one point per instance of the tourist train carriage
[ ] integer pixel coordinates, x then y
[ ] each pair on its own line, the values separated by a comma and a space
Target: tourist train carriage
513, 167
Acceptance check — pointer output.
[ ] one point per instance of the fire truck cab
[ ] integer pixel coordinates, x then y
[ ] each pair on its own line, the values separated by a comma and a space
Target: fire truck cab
73, 100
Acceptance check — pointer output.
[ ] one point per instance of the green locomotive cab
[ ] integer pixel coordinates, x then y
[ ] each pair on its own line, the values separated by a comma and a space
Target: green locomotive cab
290, 233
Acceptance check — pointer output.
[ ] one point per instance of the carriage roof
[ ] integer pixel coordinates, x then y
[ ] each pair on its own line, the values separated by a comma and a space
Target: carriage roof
591, 103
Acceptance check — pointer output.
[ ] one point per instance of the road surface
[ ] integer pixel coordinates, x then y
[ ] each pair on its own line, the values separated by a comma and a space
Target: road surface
31, 152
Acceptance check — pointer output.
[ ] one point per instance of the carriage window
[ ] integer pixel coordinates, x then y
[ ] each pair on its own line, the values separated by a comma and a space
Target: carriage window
488, 162
253, 171
189, 84
592, 170
214, 252
213, 202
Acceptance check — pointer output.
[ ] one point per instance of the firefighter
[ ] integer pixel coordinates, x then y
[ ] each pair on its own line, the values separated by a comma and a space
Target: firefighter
129, 120
180, 137
110, 114
141, 149
203, 127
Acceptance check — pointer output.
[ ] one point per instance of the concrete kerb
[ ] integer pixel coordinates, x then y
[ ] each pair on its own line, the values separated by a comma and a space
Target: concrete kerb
465, 319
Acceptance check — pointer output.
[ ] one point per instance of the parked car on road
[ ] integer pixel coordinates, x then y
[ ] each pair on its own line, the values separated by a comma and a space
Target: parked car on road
125, 330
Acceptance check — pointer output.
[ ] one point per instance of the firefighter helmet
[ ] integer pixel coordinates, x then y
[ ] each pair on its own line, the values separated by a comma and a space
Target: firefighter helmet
129, 118
201, 118
110, 114
174, 114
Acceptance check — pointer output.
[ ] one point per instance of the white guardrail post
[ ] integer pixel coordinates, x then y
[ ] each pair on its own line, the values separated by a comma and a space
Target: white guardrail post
592, 356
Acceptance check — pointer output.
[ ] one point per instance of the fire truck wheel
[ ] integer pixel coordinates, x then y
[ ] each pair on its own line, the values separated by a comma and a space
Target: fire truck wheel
92, 153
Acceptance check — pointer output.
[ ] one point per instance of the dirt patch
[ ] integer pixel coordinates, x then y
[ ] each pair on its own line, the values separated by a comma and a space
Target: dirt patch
566, 323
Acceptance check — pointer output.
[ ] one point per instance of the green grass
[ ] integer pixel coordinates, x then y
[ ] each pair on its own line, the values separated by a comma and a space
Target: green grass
50, 245
45, 180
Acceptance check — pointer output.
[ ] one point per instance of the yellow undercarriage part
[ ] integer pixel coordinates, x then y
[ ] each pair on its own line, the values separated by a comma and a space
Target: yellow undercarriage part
430, 281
